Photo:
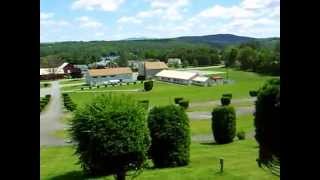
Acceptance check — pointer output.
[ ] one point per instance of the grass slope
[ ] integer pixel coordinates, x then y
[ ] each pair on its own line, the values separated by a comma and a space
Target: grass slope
59, 163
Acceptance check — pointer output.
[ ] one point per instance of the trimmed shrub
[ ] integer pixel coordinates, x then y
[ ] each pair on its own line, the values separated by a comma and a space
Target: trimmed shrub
105, 85
128, 83
98, 86
225, 101
184, 104
241, 135
223, 124
227, 95
148, 85
123, 122
178, 99
90, 87
48, 96
267, 121
46, 84
253, 93
170, 136
139, 78
135, 82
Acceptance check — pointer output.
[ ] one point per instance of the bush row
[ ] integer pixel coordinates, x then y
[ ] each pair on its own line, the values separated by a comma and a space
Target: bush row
44, 101
110, 85
68, 103
128, 129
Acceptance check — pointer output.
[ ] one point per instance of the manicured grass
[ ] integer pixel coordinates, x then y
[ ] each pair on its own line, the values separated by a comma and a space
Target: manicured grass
164, 93
239, 164
244, 123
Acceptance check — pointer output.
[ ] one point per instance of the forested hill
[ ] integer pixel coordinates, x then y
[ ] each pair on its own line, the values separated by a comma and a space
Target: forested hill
193, 50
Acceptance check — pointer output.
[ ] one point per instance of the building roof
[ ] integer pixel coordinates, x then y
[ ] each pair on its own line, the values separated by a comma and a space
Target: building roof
184, 75
216, 77
109, 71
60, 68
200, 79
155, 65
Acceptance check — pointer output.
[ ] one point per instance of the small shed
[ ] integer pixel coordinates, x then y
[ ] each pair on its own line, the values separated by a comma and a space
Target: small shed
201, 81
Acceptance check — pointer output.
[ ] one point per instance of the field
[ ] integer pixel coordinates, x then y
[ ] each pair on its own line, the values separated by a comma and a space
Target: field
243, 83
59, 163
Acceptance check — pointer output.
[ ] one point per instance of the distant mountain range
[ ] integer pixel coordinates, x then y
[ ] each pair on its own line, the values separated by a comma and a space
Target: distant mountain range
217, 39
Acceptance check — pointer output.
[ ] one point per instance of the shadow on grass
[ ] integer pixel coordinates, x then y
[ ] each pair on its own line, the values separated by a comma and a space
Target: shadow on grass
209, 143
73, 175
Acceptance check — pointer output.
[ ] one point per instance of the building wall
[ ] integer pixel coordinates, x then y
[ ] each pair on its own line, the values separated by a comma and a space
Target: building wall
177, 81
150, 73
101, 79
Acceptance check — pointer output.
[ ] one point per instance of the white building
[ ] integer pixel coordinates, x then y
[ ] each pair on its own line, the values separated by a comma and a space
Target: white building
202, 81
179, 77
109, 76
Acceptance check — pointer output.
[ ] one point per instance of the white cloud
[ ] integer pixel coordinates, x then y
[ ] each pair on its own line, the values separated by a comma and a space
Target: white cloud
256, 17
126, 19
86, 22
105, 5
44, 15
167, 3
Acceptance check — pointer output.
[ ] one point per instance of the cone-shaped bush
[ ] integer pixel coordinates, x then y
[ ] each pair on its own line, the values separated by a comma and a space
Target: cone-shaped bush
170, 136
224, 124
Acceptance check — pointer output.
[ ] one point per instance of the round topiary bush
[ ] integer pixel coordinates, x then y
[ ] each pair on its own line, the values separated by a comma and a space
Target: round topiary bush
225, 101
178, 99
148, 85
170, 136
184, 104
267, 121
111, 135
241, 135
224, 124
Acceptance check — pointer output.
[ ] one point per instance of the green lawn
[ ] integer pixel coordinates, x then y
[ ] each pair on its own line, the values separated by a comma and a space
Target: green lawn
59, 163
244, 123
164, 93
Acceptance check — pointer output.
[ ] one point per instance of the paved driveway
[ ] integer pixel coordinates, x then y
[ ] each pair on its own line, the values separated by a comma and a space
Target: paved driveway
49, 118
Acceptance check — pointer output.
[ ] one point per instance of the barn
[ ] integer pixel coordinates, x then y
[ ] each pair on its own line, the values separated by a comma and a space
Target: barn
109, 76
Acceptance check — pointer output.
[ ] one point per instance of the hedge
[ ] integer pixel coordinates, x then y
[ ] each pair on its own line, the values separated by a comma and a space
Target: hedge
170, 136
223, 124
267, 121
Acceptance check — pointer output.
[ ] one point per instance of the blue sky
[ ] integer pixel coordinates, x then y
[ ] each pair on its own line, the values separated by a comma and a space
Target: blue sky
85, 20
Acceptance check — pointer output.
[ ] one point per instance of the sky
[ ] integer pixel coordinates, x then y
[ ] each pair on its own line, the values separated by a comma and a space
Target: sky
87, 20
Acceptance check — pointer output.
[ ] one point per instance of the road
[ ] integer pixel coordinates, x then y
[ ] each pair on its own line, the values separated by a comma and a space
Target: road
50, 117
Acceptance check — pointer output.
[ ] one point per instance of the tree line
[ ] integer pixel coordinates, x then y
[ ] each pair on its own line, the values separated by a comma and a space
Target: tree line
252, 56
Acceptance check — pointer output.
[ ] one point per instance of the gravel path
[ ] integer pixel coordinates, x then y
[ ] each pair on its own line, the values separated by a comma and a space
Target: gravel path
218, 102
198, 115
49, 119
93, 91
208, 138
